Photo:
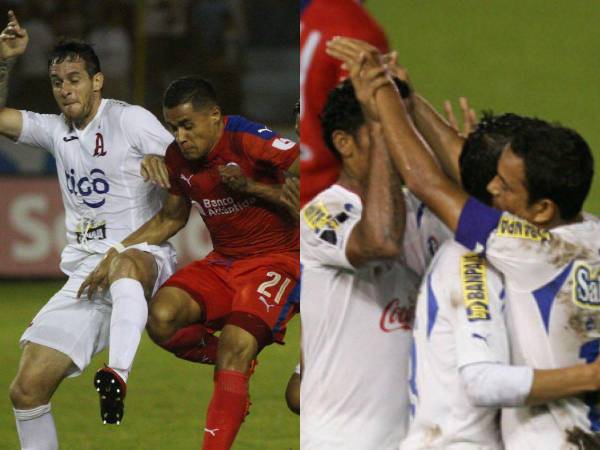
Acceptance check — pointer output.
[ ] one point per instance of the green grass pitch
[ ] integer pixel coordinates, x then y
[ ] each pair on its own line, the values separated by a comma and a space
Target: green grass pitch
167, 397
530, 57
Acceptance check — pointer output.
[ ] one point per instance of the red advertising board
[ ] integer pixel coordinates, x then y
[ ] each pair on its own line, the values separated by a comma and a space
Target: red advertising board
32, 225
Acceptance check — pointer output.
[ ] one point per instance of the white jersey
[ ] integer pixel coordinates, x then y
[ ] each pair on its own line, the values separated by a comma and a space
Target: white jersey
104, 195
356, 329
459, 321
553, 313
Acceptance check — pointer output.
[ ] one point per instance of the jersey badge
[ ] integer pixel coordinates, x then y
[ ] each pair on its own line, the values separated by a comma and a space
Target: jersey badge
99, 150
514, 227
473, 274
586, 286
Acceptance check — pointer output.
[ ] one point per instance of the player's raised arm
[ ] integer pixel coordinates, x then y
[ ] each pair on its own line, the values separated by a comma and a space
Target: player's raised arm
409, 152
171, 218
13, 42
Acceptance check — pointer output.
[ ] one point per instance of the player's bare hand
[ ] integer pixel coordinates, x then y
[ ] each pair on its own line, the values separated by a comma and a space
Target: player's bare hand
390, 60
290, 196
353, 51
154, 170
97, 280
13, 39
233, 177
469, 116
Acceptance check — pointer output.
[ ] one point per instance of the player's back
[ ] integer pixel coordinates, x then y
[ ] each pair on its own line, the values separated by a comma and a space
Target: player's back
104, 195
459, 321
319, 73
554, 320
355, 334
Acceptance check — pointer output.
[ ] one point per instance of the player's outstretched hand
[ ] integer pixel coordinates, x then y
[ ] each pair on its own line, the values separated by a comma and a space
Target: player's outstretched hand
469, 116
290, 196
367, 70
233, 177
154, 170
13, 39
97, 280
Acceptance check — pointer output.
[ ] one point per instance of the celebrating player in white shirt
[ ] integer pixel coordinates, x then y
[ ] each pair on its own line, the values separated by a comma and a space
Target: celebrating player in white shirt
357, 300
98, 145
551, 277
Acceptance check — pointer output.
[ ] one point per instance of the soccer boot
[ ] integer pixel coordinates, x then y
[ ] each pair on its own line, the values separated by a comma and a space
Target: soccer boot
111, 389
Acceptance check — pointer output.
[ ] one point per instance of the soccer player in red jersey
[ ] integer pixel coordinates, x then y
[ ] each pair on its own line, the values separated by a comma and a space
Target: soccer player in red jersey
321, 20
231, 170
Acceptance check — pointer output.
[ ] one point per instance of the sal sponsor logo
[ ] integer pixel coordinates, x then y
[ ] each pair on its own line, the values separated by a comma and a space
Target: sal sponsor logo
473, 271
586, 286
90, 231
514, 227
222, 206
397, 317
91, 189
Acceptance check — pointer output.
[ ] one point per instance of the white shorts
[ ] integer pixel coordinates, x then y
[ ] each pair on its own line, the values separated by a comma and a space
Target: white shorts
79, 327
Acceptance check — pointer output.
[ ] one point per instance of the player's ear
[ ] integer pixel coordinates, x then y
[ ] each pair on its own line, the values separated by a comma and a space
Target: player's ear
343, 143
98, 81
545, 211
215, 114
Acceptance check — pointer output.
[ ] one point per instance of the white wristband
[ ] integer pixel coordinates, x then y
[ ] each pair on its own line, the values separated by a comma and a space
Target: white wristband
120, 248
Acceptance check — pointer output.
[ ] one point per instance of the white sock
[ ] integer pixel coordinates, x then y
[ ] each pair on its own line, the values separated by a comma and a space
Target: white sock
127, 323
36, 428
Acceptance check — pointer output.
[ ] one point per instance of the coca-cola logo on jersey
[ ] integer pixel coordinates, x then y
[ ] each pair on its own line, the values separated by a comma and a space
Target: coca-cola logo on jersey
397, 317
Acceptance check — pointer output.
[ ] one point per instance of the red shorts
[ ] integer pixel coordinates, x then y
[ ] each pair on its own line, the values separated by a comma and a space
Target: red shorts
251, 293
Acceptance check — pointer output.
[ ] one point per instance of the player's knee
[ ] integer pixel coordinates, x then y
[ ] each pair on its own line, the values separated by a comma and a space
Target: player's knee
133, 264
27, 393
162, 320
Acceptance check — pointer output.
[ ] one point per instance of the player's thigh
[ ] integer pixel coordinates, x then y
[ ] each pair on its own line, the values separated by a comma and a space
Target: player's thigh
41, 369
208, 283
262, 304
174, 305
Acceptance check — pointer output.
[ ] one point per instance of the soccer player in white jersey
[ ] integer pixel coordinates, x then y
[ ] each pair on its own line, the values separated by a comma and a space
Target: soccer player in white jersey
98, 145
551, 272
359, 284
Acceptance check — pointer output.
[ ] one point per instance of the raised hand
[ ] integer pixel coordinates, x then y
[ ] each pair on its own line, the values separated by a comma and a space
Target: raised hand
469, 116
13, 39
97, 280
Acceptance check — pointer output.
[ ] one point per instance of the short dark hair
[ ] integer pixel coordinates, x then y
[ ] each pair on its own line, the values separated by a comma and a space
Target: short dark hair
342, 111
74, 49
558, 166
478, 160
196, 90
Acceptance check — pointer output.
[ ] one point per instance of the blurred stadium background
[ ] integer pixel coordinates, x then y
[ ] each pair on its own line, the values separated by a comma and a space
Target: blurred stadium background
530, 57
249, 49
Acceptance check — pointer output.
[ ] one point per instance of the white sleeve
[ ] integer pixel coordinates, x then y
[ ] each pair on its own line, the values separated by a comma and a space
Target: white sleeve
325, 227
496, 385
38, 129
481, 334
144, 132
424, 233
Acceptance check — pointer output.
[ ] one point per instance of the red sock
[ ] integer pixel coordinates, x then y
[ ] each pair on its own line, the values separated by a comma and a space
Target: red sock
193, 343
226, 410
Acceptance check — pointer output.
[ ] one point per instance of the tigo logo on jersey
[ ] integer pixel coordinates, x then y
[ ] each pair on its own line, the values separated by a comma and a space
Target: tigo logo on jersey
473, 273
586, 286
85, 186
511, 226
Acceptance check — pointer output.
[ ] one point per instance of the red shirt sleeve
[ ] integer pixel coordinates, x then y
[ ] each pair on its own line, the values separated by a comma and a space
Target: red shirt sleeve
276, 151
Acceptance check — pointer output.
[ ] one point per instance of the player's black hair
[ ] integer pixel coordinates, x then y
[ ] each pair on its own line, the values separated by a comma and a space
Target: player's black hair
558, 166
196, 90
342, 111
74, 49
480, 153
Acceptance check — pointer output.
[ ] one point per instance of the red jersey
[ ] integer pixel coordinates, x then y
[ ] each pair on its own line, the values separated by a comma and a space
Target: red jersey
319, 73
239, 224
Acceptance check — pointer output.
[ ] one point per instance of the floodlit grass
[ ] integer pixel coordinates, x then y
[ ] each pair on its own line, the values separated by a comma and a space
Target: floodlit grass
166, 399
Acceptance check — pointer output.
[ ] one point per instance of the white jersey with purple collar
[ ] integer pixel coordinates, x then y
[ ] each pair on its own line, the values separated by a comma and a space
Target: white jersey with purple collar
459, 321
104, 195
356, 328
553, 313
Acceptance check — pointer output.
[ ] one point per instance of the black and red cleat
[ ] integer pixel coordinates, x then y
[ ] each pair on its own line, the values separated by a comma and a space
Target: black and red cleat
112, 389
